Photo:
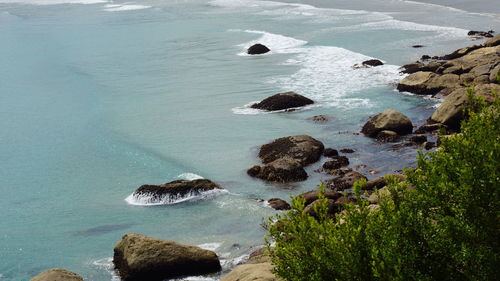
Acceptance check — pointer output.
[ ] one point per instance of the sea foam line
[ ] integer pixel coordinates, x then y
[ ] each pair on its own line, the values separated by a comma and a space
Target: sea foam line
167, 199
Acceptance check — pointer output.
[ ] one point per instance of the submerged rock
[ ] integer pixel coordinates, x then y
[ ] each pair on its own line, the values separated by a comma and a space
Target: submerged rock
372, 62
305, 149
283, 101
390, 119
57, 274
138, 257
330, 152
258, 49
175, 189
388, 136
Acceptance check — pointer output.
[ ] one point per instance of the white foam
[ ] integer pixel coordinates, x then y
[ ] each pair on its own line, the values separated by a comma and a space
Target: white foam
151, 200
434, 6
230, 263
275, 42
190, 176
53, 2
210, 246
248, 110
108, 266
124, 7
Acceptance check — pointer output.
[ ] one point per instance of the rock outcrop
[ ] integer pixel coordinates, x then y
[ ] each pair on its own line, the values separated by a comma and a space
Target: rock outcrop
391, 120
278, 204
57, 274
138, 257
178, 188
302, 148
313, 195
261, 271
283, 101
257, 49
345, 181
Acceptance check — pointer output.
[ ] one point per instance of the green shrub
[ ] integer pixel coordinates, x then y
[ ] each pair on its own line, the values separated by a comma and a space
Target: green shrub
445, 227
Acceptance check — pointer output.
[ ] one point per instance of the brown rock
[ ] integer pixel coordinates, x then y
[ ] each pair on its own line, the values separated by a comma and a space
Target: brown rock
418, 139
313, 195
390, 119
336, 163
495, 41
387, 136
175, 189
278, 204
283, 101
416, 83
347, 150
494, 74
304, 149
330, 152
57, 274
251, 272
320, 118
280, 170
345, 182
381, 181
333, 208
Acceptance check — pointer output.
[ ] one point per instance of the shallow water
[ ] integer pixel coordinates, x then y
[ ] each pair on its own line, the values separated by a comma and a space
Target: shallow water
97, 99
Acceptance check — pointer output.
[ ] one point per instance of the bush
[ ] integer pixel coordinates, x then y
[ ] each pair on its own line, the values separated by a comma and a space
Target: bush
444, 227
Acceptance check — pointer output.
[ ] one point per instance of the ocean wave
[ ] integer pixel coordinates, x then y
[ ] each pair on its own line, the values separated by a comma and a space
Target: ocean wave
124, 7
210, 246
276, 42
54, 2
107, 265
190, 176
152, 200
248, 110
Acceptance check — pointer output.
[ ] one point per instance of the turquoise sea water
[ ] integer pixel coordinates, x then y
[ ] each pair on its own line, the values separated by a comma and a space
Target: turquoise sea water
98, 98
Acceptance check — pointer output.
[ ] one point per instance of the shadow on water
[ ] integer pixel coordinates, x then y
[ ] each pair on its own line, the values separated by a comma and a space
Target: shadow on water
98, 230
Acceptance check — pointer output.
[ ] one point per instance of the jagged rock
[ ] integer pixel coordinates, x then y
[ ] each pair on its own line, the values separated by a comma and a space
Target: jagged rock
57, 274
282, 101
280, 170
388, 136
373, 62
305, 149
336, 163
376, 196
176, 188
257, 49
345, 182
313, 195
139, 257
251, 272
390, 119
278, 204
487, 34
330, 152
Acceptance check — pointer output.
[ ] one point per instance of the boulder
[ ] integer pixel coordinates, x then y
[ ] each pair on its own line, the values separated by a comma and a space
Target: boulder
281, 170
257, 49
440, 82
495, 41
376, 196
373, 62
429, 145
347, 150
333, 208
412, 67
330, 152
388, 136
418, 138
313, 195
416, 83
429, 128
450, 112
251, 272
57, 274
460, 52
336, 163
178, 188
283, 101
138, 257
487, 34
305, 149
381, 181
495, 74
278, 204
390, 119
345, 181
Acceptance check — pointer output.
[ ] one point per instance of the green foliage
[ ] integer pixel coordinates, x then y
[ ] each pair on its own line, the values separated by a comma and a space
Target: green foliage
446, 227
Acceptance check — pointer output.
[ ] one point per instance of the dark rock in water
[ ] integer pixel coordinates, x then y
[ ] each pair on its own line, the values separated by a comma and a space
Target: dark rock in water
429, 128
278, 204
333, 208
381, 181
388, 136
103, 229
57, 274
336, 163
425, 57
305, 149
176, 188
418, 139
313, 195
487, 34
347, 150
429, 144
320, 118
283, 101
390, 119
138, 257
257, 49
412, 67
330, 152
417, 46
280, 170
345, 182
345, 200
373, 62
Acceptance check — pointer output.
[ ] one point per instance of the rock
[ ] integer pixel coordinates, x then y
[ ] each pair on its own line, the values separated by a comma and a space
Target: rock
495, 74
450, 112
345, 200
429, 145
282, 101
373, 172
417, 46
360, 167
412, 67
495, 41
418, 139
330, 152
429, 128
138, 257
333, 208
373, 62
416, 83
257, 49
460, 52
487, 34
376, 196
381, 181
320, 118
336, 163
278, 204
178, 188
251, 272
313, 195
425, 57
345, 182
281, 170
390, 119
388, 136
483, 79
440, 82
347, 150
57, 274
305, 149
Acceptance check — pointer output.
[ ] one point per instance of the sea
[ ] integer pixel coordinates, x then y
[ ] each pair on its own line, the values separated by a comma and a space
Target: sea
98, 97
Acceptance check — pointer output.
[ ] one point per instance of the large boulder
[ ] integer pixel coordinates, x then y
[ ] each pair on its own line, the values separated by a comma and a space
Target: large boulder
381, 181
313, 195
283, 101
372, 62
57, 274
257, 49
333, 208
416, 83
281, 170
175, 189
278, 204
495, 41
476, 33
138, 257
251, 272
391, 120
303, 148
345, 181
450, 112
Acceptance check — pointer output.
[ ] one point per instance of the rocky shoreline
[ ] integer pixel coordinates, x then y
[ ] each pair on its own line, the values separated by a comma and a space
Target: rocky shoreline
474, 69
